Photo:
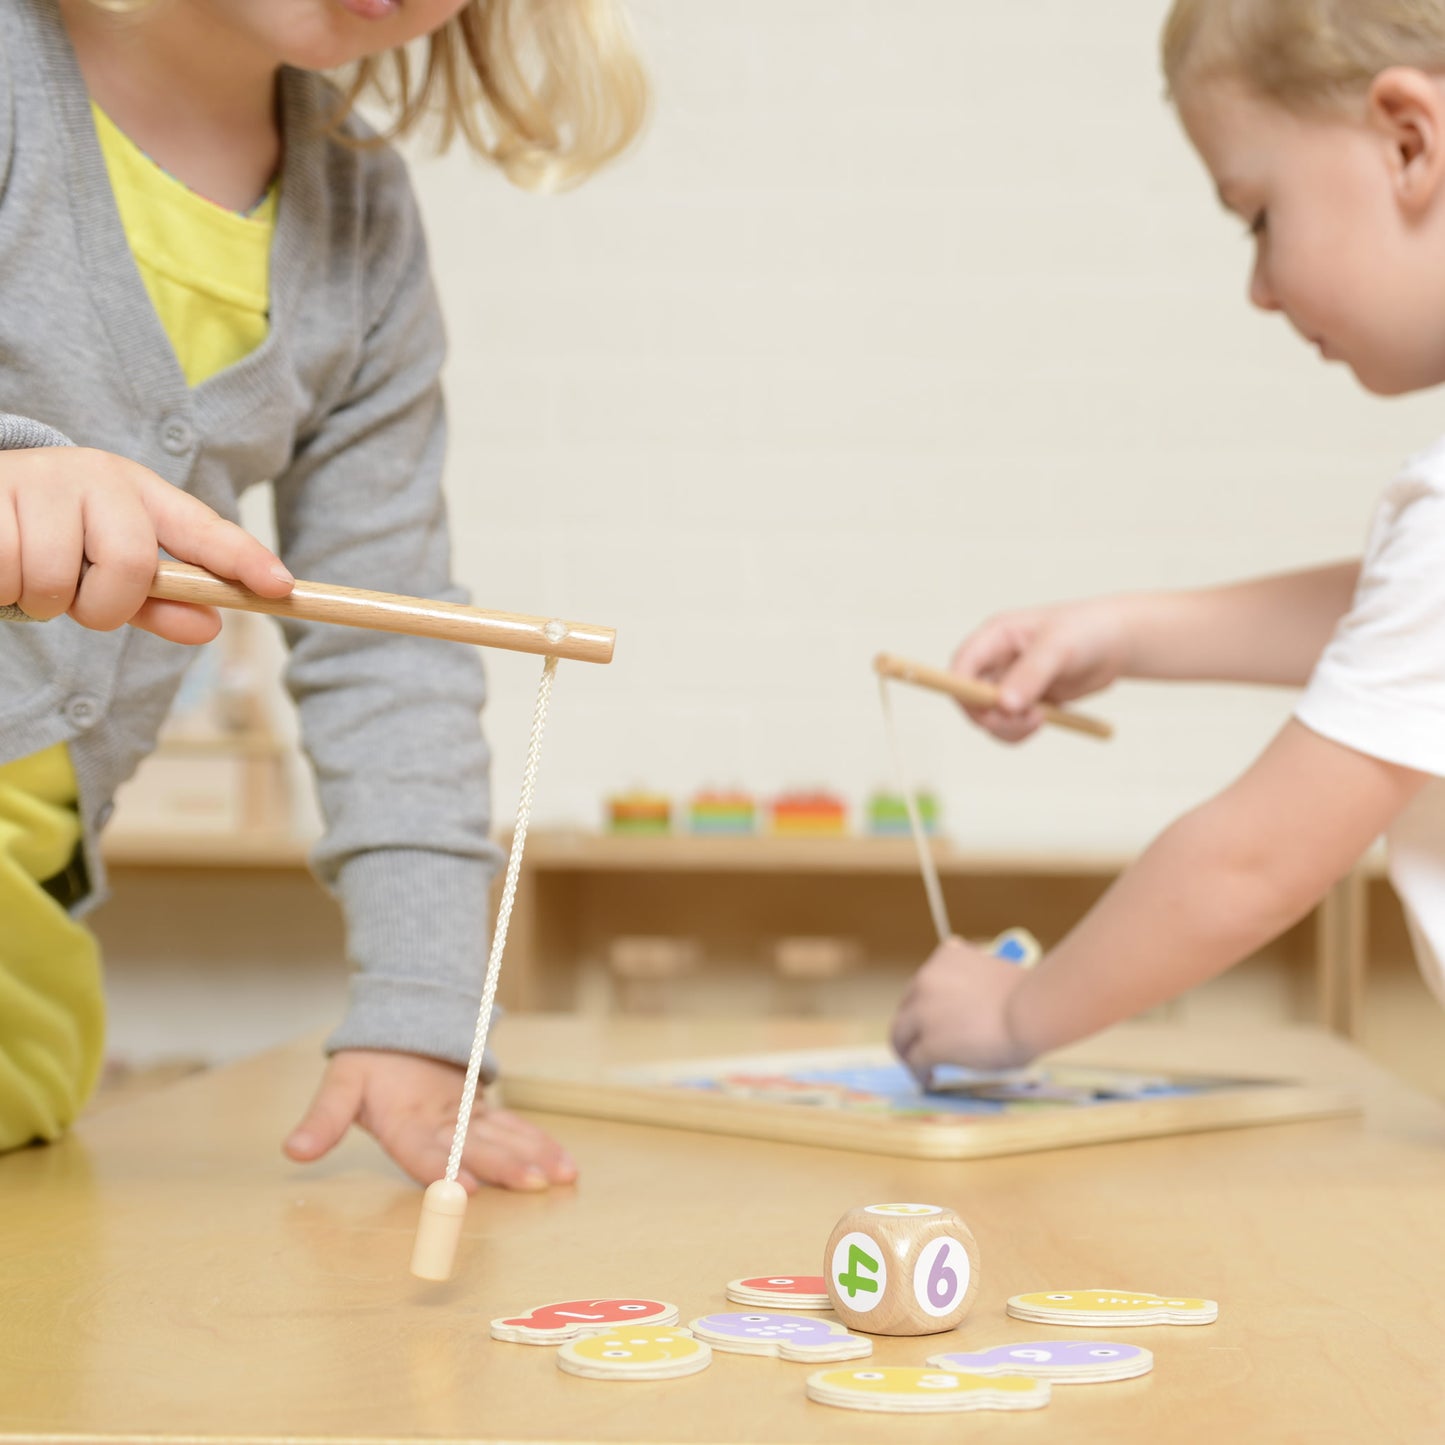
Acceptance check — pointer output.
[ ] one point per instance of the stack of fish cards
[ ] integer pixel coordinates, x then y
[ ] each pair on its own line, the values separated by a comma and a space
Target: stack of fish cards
781, 1292
1106, 1308
635, 1352
564, 1320
906, 1391
1060, 1362
788, 1337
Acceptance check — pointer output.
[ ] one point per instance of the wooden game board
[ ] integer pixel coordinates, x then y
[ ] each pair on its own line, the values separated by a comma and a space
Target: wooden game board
864, 1099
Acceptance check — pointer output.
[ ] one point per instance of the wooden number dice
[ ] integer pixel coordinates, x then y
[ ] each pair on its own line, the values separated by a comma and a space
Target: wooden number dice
901, 1269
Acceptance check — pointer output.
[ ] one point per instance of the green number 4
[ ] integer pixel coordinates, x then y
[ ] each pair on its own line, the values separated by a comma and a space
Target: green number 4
851, 1280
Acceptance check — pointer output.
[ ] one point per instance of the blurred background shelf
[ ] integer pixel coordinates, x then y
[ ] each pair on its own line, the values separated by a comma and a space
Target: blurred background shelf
729, 902
735, 897
248, 848
228, 942
563, 849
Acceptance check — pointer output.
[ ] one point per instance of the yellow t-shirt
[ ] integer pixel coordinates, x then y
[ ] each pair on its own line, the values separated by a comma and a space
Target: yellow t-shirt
207, 271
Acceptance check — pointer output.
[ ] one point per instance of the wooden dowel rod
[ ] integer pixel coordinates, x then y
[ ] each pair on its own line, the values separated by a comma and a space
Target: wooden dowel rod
981, 694
388, 612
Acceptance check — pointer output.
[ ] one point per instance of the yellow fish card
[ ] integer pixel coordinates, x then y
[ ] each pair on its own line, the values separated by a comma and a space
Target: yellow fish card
636, 1352
908, 1391
1111, 1307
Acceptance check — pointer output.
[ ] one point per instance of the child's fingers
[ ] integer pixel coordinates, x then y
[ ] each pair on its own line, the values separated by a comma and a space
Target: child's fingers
52, 549
1030, 677
191, 531
905, 1035
422, 1149
985, 657
918, 1045
500, 1149
120, 545
330, 1114
535, 1144
506, 1151
916, 1060
186, 622
986, 653
9, 553
1011, 727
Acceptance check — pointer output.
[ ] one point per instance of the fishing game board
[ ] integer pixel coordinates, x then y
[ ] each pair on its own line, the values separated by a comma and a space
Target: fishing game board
865, 1099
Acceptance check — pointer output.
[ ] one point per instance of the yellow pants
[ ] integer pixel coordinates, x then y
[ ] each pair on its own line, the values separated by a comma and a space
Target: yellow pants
52, 1010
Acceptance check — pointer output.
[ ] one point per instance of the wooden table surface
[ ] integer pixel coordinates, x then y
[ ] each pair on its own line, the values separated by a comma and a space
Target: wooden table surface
166, 1274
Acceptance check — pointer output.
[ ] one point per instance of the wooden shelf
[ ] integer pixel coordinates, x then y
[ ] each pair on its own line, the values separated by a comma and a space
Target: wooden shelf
737, 895
563, 850
731, 900
205, 850
557, 850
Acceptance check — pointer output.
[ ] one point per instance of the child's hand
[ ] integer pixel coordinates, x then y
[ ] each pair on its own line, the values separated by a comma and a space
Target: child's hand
956, 1011
409, 1104
1048, 654
64, 507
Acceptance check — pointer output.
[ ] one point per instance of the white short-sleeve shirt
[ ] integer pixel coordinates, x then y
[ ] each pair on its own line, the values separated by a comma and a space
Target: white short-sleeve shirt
1379, 686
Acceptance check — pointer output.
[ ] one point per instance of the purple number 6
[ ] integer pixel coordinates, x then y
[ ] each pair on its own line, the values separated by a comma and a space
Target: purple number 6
942, 1281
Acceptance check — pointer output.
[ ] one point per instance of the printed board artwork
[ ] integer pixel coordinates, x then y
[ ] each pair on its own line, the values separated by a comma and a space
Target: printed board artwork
865, 1099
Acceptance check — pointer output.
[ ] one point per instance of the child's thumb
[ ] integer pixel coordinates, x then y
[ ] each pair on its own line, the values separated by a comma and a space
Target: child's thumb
327, 1118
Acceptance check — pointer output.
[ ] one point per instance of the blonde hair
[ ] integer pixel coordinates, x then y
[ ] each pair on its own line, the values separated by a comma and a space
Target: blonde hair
548, 90
1305, 54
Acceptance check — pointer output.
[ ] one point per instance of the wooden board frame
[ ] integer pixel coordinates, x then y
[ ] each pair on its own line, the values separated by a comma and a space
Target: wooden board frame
651, 1095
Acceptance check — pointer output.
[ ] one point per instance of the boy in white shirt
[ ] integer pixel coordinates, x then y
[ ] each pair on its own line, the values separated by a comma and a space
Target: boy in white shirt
1322, 124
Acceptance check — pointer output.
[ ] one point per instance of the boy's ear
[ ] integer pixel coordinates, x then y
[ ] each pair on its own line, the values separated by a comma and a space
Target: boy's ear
1407, 107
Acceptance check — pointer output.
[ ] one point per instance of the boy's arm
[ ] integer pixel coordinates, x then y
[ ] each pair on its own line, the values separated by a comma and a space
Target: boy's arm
1210, 890
1215, 886
1271, 630
1266, 630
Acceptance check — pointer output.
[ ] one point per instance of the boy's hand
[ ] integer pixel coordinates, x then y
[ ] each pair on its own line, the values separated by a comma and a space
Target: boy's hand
409, 1104
956, 1011
1050, 654
62, 508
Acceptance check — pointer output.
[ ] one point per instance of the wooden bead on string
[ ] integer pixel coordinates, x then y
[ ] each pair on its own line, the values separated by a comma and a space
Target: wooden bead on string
439, 1230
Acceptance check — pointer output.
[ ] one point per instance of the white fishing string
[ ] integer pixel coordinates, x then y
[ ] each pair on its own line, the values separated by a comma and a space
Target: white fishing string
931, 886
504, 916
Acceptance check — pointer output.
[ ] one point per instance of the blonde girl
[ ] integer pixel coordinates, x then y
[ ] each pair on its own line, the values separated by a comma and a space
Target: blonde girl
1322, 125
212, 275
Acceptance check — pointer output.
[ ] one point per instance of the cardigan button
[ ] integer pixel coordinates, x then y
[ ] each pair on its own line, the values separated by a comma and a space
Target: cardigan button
83, 710
177, 435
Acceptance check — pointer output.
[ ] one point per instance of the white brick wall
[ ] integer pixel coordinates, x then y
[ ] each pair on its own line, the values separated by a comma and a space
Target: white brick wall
903, 312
